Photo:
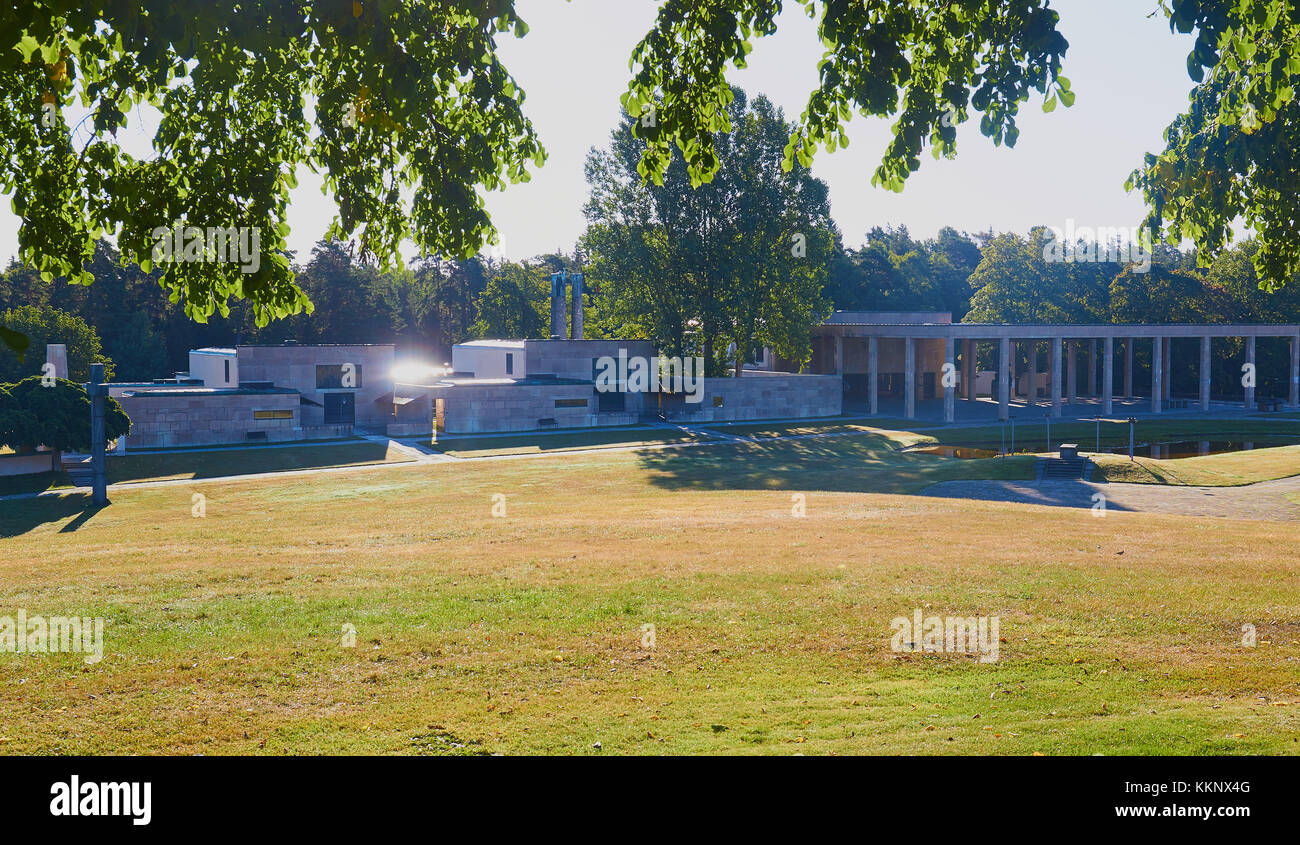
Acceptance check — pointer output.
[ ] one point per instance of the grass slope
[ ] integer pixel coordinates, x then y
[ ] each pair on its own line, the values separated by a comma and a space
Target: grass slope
523, 633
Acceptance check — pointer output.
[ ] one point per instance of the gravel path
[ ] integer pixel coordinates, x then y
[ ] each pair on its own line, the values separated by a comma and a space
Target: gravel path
1266, 500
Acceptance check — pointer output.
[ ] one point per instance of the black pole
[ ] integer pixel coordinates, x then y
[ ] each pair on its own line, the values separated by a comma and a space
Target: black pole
98, 458
1132, 421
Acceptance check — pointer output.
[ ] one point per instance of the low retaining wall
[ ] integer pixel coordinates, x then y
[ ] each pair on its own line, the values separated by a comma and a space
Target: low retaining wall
29, 464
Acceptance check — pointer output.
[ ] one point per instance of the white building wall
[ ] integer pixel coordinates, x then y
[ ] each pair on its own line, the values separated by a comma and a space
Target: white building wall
210, 366
488, 360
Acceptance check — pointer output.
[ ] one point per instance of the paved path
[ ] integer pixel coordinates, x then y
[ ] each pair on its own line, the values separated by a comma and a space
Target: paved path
1265, 500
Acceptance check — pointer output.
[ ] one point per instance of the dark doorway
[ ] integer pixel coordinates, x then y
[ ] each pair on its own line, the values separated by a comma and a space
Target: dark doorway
340, 408
927, 385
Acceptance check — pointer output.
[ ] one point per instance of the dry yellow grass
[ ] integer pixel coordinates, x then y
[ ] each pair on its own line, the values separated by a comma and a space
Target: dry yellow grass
523, 633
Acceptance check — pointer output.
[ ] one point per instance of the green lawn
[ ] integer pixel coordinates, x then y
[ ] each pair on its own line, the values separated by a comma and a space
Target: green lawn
524, 633
1229, 469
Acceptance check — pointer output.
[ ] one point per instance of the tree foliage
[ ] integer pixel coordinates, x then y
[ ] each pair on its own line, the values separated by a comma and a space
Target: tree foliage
44, 325
56, 416
929, 64
413, 114
1233, 155
738, 262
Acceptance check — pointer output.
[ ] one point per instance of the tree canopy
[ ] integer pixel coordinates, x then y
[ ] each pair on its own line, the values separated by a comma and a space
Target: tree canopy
737, 262
413, 114
55, 415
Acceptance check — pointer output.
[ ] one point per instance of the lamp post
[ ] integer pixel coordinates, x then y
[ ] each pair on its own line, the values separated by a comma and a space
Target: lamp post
1132, 422
1099, 434
1012, 418
1048, 418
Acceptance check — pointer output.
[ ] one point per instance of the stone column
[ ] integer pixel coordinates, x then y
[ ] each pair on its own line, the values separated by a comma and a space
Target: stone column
1128, 368
1006, 372
1168, 368
968, 368
1204, 373
1092, 367
1250, 359
949, 387
1072, 368
1293, 396
1157, 359
98, 433
1056, 376
578, 314
1031, 392
558, 317
873, 373
909, 379
1108, 376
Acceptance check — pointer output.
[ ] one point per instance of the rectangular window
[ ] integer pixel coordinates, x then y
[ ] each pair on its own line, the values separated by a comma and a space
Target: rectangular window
570, 403
227, 363
338, 376
273, 415
510, 363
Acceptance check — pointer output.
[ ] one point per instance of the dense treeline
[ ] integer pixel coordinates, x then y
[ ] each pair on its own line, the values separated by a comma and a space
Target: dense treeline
127, 319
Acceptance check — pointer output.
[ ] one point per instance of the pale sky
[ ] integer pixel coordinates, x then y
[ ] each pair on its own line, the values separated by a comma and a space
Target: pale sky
1125, 66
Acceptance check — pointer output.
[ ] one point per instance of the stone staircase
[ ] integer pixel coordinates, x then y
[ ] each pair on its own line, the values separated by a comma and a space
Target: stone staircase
1049, 468
78, 469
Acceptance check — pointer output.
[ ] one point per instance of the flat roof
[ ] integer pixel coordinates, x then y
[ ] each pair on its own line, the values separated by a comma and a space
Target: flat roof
212, 391
1048, 331
213, 350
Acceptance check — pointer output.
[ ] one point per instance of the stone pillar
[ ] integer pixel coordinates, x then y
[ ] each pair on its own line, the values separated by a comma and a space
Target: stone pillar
873, 373
1006, 372
1250, 359
1204, 373
98, 457
1056, 376
557, 306
968, 368
1293, 396
950, 378
1031, 377
839, 355
1168, 368
1157, 359
1108, 376
1128, 368
1072, 367
577, 306
1092, 367
909, 379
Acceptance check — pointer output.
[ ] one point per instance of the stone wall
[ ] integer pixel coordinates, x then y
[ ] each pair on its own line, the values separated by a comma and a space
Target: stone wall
758, 396
294, 367
163, 419
503, 406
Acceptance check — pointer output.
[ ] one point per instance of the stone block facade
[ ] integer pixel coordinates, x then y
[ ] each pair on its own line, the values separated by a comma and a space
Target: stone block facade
168, 418
294, 367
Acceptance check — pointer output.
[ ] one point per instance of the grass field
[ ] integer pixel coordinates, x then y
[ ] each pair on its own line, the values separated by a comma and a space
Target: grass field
1229, 469
523, 633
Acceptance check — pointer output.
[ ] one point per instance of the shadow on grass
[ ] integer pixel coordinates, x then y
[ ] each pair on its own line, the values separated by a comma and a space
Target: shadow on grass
11, 485
22, 515
222, 462
866, 463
